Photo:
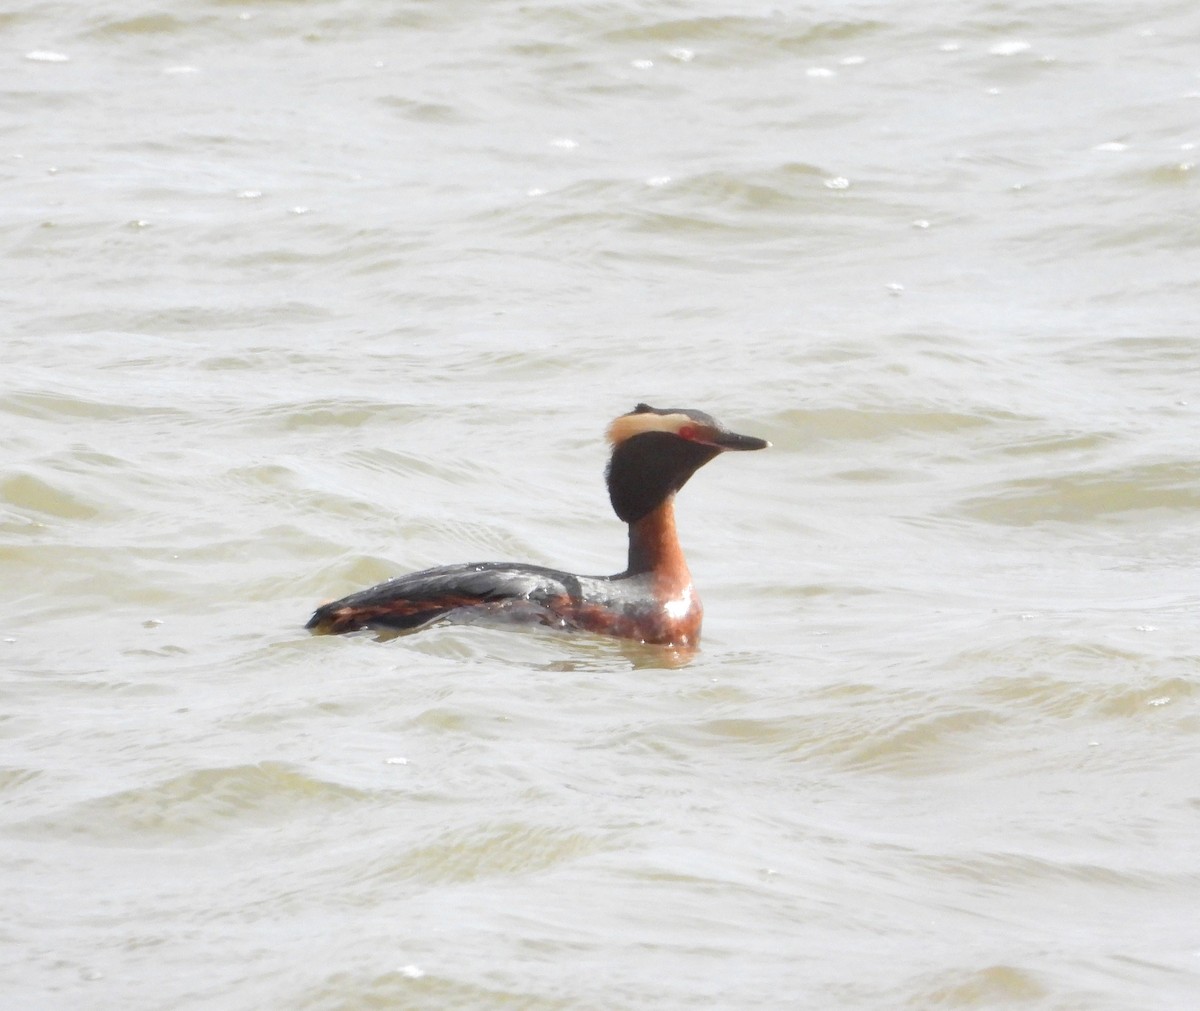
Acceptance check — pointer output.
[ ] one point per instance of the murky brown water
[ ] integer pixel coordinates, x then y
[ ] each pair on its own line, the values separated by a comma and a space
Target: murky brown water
301, 295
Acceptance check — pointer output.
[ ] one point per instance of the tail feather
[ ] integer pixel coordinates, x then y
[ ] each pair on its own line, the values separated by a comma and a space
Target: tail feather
399, 615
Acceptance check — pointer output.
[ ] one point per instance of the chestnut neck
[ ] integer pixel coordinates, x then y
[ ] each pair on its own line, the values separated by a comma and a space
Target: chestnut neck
654, 545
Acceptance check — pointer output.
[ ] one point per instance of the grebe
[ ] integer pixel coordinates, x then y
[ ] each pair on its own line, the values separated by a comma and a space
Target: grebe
654, 452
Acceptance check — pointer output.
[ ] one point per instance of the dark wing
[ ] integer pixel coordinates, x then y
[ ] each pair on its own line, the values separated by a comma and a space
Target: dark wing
412, 600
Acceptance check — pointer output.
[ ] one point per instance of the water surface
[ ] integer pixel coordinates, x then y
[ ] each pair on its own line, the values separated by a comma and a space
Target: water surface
302, 295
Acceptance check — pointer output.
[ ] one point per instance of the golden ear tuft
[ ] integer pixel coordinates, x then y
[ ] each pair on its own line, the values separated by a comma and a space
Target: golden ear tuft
640, 421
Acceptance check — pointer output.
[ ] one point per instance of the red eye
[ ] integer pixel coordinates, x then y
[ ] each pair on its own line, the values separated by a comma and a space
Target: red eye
687, 432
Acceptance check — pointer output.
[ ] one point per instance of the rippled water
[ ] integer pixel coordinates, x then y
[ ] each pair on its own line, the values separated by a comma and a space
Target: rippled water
302, 295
